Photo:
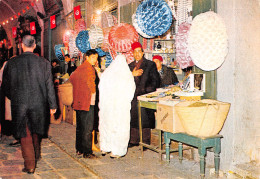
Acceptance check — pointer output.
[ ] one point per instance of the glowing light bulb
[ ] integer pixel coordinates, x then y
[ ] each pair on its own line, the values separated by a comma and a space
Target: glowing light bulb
99, 12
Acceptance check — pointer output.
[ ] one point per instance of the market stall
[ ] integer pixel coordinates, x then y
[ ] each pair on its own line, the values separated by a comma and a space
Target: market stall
165, 28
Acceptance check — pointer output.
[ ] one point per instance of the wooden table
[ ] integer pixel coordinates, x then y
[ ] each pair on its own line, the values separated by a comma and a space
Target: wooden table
150, 105
201, 143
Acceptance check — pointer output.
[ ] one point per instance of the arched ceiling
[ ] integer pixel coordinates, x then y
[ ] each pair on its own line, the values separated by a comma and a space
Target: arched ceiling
10, 8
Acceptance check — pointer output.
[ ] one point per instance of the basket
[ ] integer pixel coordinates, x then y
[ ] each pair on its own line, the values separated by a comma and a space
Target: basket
202, 118
66, 93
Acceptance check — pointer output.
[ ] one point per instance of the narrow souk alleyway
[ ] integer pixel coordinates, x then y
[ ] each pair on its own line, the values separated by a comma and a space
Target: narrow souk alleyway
59, 160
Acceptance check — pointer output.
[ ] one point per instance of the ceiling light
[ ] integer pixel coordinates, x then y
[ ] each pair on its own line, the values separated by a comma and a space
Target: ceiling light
99, 12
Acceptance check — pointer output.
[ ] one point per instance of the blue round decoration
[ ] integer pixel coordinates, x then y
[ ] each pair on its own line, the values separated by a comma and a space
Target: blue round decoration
58, 53
82, 41
154, 17
100, 52
109, 59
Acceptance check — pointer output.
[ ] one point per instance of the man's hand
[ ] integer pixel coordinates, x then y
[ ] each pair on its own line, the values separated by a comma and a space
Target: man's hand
137, 72
53, 111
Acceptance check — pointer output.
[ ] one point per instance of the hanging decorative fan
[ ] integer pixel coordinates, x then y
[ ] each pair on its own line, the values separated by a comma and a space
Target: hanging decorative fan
107, 19
154, 17
95, 36
58, 53
73, 49
182, 53
208, 41
140, 32
119, 41
80, 25
82, 41
100, 52
105, 44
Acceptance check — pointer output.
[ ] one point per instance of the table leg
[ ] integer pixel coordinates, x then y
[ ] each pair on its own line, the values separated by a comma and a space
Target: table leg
167, 146
217, 150
160, 144
180, 152
140, 128
202, 153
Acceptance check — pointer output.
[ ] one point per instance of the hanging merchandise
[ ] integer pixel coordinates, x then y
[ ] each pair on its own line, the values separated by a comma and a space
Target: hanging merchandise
105, 44
184, 12
122, 36
208, 41
100, 52
80, 25
95, 36
58, 53
73, 49
115, 20
129, 56
107, 19
66, 36
172, 6
154, 17
182, 54
140, 32
108, 59
82, 41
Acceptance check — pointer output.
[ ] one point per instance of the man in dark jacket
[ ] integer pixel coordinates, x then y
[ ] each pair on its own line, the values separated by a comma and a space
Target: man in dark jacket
168, 77
147, 79
27, 82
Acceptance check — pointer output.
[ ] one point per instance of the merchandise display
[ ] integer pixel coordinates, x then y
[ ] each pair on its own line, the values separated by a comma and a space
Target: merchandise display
107, 19
154, 17
105, 44
80, 25
101, 53
95, 36
82, 41
58, 53
73, 49
208, 41
182, 53
118, 39
140, 32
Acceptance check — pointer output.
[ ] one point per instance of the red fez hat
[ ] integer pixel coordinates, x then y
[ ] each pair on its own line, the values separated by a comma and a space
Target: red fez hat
136, 45
158, 57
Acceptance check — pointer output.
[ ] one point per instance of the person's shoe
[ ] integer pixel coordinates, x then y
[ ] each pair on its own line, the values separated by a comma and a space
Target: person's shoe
90, 156
15, 143
130, 145
115, 156
104, 153
79, 153
29, 171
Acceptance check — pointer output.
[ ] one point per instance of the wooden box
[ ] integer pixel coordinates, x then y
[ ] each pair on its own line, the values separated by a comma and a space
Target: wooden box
167, 119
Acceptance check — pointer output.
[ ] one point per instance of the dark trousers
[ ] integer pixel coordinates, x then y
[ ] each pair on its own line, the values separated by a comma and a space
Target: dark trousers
135, 137
31, 149
84, 128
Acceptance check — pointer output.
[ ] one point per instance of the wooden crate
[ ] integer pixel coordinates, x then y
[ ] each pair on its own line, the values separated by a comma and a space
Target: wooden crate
167, 119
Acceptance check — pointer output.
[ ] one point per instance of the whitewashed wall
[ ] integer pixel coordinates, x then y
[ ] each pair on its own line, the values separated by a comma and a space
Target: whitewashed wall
239, 83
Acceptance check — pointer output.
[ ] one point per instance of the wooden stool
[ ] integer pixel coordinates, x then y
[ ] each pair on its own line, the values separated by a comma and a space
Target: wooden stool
201, 143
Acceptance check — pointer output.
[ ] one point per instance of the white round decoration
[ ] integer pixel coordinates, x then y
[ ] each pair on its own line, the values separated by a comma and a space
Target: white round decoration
95, 36
208, 41
140, 32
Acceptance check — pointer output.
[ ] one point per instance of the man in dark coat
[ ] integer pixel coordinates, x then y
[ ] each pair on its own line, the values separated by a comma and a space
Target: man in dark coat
147, 79
27, 82
168, 77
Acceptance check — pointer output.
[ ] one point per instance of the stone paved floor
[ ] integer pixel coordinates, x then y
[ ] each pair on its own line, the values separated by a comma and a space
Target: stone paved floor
59, 160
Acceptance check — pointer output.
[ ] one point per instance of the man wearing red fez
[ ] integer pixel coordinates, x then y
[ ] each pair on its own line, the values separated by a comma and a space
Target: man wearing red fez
168, 77
147, 79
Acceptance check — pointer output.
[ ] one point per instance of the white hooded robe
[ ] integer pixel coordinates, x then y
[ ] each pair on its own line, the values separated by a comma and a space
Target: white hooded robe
116, 91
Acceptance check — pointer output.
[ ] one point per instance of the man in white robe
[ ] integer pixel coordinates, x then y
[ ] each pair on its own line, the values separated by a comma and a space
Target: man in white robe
116, 90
